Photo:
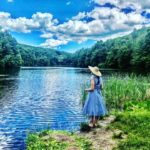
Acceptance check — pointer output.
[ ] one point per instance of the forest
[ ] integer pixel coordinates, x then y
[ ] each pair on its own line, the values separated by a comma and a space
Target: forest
128, 52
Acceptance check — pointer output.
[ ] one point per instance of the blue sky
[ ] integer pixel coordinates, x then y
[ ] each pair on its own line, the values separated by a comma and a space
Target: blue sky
69, 25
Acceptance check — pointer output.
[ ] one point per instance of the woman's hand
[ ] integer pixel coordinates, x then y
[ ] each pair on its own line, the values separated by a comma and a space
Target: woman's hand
86, 90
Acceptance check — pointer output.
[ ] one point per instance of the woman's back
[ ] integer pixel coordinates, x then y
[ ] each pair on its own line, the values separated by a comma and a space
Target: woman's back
97, 82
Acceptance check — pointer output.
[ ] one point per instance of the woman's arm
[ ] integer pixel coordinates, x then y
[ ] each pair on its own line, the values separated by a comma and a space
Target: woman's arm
91, 87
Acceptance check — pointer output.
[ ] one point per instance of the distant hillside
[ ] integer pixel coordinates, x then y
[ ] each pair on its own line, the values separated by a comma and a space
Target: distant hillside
128, 52
14, 55
37, 56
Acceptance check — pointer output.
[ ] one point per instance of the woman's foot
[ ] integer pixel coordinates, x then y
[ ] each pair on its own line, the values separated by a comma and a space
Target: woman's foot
91, 125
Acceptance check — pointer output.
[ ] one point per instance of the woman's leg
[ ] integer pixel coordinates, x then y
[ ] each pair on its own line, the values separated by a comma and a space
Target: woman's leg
91, 121
95, 120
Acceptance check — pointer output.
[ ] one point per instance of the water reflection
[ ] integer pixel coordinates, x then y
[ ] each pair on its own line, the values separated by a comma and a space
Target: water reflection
36, 99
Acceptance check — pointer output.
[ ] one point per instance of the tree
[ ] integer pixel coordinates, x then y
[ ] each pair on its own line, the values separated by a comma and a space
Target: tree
9, 55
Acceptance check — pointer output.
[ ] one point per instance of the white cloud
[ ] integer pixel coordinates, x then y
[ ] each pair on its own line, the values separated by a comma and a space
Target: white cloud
136, 4
80, 16
100, 23
46, 35
53, 43
38, 21
106, 23
116, 18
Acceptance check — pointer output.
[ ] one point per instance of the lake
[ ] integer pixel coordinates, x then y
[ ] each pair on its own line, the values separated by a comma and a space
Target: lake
38, 98
34, 99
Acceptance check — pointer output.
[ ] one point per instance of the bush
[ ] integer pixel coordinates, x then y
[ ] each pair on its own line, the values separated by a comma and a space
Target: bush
84, 127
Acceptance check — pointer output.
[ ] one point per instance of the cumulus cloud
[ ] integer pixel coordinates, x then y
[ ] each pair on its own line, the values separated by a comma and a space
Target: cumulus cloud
80, 16
38, 21
105, 21
137, 4
99, 23
53, 43
46, 35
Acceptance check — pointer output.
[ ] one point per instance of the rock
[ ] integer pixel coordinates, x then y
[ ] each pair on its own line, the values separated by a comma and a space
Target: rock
148, 93
117, 134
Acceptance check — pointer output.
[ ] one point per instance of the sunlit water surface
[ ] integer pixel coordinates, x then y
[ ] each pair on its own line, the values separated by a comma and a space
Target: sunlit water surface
34, 99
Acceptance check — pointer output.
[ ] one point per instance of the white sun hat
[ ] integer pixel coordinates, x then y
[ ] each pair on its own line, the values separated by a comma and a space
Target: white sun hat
95, 70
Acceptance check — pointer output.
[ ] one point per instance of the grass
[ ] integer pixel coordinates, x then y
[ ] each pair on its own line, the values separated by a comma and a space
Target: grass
83, 94
118, 90
135, 123
56, 140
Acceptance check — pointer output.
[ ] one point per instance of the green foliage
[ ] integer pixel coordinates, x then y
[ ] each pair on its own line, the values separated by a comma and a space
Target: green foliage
56, 140
142, 56
83, 95
128, 52
119, 89
9, 54
135, 122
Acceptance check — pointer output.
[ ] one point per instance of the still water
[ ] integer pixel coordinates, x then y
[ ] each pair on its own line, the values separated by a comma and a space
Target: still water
34, 99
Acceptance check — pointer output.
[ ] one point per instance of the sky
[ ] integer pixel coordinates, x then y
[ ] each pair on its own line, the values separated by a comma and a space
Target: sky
69, 25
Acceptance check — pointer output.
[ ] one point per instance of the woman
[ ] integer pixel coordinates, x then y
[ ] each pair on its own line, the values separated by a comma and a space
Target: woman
94, 105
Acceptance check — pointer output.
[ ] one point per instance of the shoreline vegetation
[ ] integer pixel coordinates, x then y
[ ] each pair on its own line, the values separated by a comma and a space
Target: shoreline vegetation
128, 99
131, 52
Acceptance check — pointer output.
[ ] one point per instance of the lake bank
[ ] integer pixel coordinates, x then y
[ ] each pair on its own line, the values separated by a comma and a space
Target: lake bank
128, 130
128, 100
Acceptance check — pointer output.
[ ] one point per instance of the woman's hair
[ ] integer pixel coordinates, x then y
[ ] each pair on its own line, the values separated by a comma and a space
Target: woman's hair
97, 80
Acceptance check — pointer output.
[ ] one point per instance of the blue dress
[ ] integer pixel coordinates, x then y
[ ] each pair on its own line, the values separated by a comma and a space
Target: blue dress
95, 104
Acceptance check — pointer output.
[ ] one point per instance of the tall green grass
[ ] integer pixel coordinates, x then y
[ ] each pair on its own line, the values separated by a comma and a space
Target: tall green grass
83, 94
120, 89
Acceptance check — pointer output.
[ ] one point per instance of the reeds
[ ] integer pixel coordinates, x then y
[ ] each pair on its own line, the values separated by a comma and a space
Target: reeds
118, 90
83, 94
